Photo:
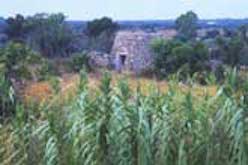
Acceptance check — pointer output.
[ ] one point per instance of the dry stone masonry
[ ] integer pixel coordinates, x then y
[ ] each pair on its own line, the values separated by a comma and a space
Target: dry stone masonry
131, 49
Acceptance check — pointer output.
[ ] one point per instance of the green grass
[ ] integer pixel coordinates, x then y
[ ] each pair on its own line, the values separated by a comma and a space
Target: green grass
122, 127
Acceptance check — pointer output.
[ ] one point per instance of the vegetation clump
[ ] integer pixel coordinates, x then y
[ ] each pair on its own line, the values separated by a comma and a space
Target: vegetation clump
101, 33
19, 62
172, 56
187, 25
80, 61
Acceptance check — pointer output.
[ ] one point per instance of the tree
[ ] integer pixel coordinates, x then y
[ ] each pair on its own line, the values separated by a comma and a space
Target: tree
46, 33
199, 58
101, 33
186, 25
50, 35
96, 27
243, 33
171, 56
16, 27
230, 49
162, 50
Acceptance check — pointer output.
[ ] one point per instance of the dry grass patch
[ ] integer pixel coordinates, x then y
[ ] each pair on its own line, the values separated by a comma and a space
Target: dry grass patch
42, 91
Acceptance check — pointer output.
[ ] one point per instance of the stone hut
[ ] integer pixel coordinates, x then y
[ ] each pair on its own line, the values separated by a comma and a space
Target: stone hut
131, 49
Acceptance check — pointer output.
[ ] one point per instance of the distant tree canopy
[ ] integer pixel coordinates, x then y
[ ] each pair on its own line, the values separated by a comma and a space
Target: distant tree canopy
50, 34
101, 33
16, 27
46, 33
186, 25
96, 27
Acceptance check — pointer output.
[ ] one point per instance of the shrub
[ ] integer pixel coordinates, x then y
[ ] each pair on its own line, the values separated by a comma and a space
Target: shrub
173, 56
80, 61
231, 50
16, 58
46, 70
20, 62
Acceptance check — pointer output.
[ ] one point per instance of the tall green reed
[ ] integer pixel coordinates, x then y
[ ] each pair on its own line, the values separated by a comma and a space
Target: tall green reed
119, 126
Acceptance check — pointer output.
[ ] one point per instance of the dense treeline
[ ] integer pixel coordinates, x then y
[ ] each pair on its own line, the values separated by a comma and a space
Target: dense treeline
52, 36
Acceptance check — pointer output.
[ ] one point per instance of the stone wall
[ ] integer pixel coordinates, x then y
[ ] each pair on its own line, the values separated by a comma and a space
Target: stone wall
135, 46
99, 59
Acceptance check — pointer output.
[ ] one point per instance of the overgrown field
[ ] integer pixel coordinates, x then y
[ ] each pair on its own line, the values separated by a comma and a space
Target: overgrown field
68, 83
121, 125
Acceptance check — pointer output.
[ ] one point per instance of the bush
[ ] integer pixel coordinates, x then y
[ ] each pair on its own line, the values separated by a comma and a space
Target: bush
21, 63
46, 70
80, 61
173, 56
231, 50
15, 59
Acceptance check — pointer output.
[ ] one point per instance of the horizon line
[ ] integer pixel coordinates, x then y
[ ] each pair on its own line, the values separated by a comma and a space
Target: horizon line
141, 20
126, 19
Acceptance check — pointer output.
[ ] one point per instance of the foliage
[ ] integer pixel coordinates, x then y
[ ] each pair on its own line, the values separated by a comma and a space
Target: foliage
45, 71
230, 50
171, 56
80, 61
117, 126
101, 33
55, 84
20, 62
16, 57
186, 25
7, 97
243, 33
16, 29
50, 35
98, 26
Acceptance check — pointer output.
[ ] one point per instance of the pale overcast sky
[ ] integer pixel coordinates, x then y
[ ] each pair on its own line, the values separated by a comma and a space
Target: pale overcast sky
127, 9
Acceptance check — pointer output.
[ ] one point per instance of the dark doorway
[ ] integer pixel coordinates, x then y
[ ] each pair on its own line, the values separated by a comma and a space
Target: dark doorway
123, 59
